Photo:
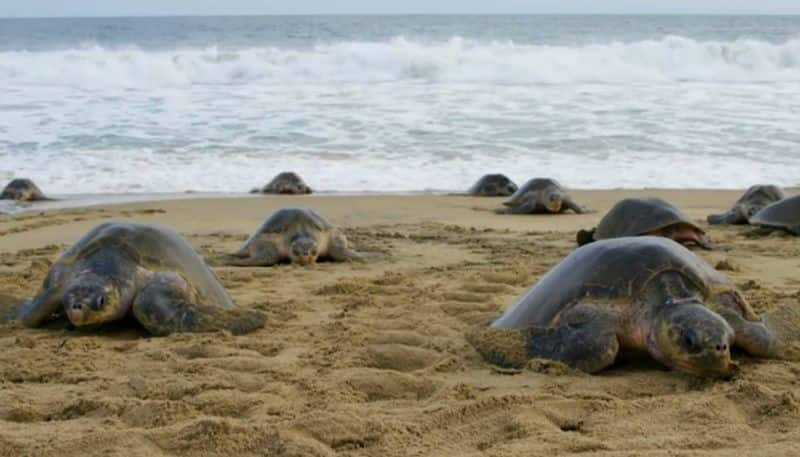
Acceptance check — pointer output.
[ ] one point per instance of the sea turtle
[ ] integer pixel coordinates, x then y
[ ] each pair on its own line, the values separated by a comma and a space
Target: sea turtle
540, 195
647, 294
754, 198
781, 215
285, 183
152, 272
645, 216
296, 234
23, 190
493, 185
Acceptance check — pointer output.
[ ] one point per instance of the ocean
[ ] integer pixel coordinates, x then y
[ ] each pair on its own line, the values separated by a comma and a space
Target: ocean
399, 103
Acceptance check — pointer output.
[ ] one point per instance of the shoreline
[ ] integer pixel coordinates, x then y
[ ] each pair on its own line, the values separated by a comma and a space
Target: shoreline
80, 201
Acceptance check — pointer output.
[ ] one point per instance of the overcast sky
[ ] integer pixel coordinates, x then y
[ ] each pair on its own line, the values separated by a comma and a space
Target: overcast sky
39, 8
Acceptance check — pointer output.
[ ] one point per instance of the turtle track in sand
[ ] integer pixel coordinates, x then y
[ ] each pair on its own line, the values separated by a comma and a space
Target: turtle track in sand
371, 359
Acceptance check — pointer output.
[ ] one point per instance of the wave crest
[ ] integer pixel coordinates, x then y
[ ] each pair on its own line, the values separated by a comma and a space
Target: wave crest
672, 58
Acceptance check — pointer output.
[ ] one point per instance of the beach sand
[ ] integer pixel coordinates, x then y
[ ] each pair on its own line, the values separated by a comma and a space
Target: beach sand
370, 359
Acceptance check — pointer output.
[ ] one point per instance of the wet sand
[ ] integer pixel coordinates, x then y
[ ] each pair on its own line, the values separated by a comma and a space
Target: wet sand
370, 359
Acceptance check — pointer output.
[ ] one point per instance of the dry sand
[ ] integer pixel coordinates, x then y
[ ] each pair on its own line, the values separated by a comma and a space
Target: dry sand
370, 359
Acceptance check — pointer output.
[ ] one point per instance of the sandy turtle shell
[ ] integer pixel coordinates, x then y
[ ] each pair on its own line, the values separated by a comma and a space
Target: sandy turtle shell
644, 216
149, 270
493, 185
22, 190
287, 182
784, 215
299, 235
646, 294
752, 201
540, 195
533, 185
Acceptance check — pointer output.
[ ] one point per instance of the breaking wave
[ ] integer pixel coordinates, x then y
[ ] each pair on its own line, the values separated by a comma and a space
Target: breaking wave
669, 59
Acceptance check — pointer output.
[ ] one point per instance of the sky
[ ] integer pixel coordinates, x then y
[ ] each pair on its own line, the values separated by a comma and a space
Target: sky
47, 8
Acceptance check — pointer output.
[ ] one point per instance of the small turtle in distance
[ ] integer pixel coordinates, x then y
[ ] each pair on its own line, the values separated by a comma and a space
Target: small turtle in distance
540, 196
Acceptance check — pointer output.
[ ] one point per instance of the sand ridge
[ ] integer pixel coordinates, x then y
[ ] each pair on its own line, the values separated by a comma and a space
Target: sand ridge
368, 359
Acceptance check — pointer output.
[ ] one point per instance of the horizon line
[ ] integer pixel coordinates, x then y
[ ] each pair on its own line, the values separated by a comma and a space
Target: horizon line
170, 15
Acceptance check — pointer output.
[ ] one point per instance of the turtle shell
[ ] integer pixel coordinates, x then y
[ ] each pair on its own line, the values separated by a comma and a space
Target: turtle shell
294, 219
533, 185
287, 178
783, 214
638, 216
493, 185
17, 186
614, 271
761, 194
155, 248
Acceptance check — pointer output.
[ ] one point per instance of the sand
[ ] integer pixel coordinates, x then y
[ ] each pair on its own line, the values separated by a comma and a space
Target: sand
370, 359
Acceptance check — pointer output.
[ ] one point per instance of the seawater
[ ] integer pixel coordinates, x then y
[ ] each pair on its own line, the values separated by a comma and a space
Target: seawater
400, 103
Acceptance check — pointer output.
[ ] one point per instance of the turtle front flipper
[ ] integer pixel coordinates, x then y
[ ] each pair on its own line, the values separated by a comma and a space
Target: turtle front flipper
730, 217
784, 325
262, 253
34, 312
703, 243
776, 335
528, 205
167, 304
585, 338
569, 203
584, 237
340, 252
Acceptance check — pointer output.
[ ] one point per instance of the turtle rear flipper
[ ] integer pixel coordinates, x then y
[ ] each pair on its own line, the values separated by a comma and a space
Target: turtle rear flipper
166, 304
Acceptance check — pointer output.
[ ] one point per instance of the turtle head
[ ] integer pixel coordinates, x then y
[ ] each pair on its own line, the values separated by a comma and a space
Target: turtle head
92, 299
688, 336
552, 200
304, 250
749, 210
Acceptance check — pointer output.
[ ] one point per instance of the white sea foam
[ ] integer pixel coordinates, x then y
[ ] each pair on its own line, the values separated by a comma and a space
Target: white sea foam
403, 115
457, 60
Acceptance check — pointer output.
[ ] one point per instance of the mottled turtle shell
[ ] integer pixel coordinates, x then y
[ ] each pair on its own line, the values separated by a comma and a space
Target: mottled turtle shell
614, 272
16, 187
287, 178
784, 214
295, 220
155, 248
493, 185
638, 216
761, 193
533, 185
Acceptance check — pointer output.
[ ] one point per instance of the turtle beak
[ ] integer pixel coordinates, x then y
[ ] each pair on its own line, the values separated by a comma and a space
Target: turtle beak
76, 312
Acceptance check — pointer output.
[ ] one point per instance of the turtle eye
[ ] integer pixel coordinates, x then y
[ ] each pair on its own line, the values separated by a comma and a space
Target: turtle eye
101, 301
690, 341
